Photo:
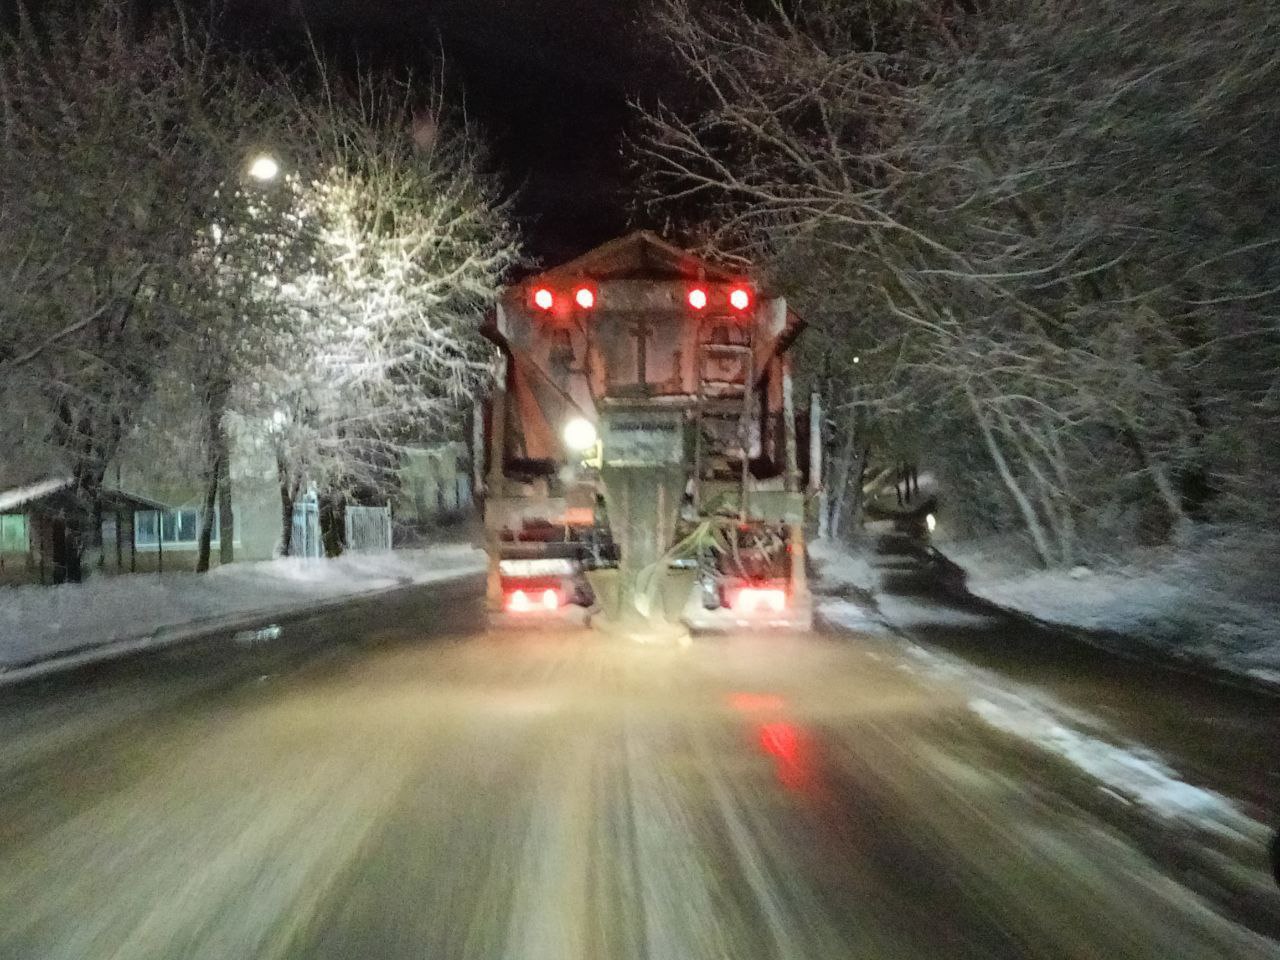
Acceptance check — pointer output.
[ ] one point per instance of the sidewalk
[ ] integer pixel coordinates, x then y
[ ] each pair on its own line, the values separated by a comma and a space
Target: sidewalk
43, 629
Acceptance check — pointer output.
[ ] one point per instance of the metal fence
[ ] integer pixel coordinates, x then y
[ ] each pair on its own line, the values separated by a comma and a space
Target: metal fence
368, 529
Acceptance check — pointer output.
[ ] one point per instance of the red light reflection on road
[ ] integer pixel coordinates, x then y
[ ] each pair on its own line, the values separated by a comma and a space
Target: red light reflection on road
788, 745
789, 748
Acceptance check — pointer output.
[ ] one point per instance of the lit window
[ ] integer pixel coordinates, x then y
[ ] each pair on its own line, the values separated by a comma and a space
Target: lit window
13, 533
179, 529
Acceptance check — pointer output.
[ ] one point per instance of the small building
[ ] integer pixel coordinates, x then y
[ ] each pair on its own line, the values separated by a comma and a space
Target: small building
35, 525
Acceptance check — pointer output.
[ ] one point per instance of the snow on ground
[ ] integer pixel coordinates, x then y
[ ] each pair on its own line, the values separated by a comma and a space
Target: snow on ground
1213, 598
39, 622
843, 567
1127, 771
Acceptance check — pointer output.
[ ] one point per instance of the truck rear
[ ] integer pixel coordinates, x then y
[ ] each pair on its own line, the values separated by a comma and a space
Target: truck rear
639, 455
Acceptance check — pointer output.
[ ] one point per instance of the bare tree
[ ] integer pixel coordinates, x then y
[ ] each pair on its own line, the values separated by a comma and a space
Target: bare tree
105, 184
1049, 222
410, 244
332, 311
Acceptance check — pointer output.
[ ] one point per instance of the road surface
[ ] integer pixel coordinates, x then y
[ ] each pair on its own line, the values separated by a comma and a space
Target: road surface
390, 780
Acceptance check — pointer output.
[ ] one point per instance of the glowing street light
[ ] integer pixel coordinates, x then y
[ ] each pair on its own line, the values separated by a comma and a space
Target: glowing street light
264, 168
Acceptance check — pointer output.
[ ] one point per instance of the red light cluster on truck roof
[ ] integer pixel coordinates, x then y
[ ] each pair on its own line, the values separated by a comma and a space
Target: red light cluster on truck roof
699, 298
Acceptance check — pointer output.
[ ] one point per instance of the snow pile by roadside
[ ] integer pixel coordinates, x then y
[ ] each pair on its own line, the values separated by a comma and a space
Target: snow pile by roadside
1127, 771
1212, 599
38, 622
839, 566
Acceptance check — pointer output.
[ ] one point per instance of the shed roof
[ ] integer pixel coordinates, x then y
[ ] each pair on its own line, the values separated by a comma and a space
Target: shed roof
56, 494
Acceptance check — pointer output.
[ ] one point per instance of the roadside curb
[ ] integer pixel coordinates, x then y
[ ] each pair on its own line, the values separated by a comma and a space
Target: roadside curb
198, 629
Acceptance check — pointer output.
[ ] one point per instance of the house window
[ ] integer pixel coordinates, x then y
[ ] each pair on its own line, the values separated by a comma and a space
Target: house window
175, 528
13, 533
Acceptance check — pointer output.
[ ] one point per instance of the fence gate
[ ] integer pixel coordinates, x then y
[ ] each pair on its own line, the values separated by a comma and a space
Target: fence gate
306, 540
369, 529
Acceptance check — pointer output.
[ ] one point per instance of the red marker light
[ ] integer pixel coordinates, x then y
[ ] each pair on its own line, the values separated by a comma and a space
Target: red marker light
740, 298
585, 298
543, 298
698, 298
549, 600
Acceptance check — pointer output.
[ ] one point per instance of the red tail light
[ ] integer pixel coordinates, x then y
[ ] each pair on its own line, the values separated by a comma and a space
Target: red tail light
585, 297
740, 298
698, 298
543, 298
525, 601
760, 599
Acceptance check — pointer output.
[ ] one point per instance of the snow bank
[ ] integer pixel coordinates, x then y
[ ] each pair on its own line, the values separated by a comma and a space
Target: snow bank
1127, 771
1213, 598
838, 566
38, 622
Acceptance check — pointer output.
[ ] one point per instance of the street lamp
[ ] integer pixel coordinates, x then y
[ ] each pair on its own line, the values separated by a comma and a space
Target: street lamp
264, 168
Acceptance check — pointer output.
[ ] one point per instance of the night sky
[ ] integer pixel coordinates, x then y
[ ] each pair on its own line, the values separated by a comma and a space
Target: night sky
548, 81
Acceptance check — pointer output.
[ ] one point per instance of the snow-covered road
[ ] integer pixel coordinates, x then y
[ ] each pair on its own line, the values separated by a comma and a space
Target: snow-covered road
387, 779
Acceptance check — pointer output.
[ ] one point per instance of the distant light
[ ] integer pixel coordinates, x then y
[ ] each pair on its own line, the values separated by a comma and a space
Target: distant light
740, 298
579, 434
857, 359
585, 298
264, 168
550, 600
931, 522
543, 298
698, 298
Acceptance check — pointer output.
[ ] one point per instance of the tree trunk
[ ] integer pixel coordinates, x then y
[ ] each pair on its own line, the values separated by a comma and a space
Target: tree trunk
206, 516
286, 505
215, 445
841, 471
226, 511
1025, 507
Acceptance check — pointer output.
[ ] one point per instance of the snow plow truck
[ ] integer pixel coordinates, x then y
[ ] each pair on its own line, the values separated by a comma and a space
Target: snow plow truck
640, 456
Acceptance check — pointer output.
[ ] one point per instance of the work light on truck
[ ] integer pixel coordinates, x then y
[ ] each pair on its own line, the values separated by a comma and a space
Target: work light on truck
579, 435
